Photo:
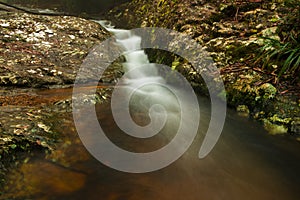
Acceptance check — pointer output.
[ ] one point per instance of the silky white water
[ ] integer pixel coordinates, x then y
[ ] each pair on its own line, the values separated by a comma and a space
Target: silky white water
143, 87
156, 95
137, 61
246, 164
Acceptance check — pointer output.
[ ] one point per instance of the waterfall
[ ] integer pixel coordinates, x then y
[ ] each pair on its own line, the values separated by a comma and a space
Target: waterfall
145, 89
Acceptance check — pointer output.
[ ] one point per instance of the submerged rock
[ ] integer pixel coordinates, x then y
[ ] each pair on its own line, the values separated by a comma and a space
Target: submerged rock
43, 179
274, 129
243, 110
40, 51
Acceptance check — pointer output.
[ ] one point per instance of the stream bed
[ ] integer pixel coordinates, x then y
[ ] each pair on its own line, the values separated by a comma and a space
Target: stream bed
246, 163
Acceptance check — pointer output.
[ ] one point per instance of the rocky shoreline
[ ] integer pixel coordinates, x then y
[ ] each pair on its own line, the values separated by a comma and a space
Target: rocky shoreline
39, 59
40, 56
232, 33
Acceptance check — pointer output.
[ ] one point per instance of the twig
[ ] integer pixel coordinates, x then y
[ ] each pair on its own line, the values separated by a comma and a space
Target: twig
12, 8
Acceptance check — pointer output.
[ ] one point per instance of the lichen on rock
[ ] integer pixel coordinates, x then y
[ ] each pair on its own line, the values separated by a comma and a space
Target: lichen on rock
232, 33
39, 50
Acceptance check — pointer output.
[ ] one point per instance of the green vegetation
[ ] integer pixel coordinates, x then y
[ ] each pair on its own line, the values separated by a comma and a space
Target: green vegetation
286, 55
283, 54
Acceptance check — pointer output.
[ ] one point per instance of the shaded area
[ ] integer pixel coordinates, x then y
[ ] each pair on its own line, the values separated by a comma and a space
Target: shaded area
83, 7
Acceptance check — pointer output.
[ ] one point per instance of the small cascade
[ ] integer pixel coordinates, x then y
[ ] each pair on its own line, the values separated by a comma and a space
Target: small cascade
145, 89
136, 60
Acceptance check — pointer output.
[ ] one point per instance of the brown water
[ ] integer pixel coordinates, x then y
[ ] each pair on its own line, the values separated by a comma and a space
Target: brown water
245, 164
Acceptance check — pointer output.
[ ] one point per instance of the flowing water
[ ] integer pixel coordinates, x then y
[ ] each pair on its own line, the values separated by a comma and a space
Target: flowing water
246, 163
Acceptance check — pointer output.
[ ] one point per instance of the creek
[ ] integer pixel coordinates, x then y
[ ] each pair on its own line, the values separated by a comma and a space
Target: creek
246, 163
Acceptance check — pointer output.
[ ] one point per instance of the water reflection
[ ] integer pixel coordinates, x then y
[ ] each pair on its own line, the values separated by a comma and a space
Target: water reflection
245, 164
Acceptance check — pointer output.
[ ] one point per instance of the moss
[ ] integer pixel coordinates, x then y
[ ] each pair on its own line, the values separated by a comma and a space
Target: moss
268, 91
232, 38
274, 129
243, 110
276, 119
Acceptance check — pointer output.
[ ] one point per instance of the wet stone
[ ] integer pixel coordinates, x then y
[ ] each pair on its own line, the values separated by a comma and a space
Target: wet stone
39, 50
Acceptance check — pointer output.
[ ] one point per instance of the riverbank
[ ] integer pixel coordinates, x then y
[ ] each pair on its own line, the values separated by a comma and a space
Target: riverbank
39, 59
232, 33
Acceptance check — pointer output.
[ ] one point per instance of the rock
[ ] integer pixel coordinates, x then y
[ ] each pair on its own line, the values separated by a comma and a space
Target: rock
40, 50
295, 125
269, 91
231, 38
43, 177
243, 110
274, 129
